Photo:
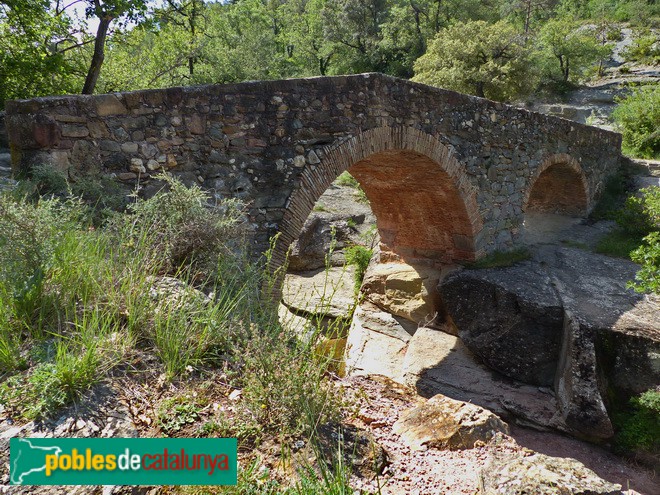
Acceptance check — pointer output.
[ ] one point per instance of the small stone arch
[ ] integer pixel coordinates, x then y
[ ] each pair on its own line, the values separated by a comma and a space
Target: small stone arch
558, 186
386, 142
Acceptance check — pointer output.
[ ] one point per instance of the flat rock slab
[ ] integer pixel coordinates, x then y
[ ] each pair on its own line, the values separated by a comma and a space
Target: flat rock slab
328, 293
445, 423
525, 472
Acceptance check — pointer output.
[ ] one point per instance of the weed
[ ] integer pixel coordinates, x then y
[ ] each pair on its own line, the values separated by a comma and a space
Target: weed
320, 207
347, 180
574, 244
358, 256
613, 196
618, 243
177, 412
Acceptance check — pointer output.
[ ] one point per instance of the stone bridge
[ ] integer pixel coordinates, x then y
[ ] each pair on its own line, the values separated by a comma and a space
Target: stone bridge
450, 177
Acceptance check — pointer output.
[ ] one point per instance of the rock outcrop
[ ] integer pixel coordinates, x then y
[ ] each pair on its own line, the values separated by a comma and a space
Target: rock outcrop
339, 219
445, 423
404, 290
567, 310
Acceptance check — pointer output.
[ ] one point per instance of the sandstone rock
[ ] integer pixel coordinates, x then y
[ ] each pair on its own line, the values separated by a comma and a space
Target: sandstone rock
377, 342
446, 423
512, 318
523, 473
170, 293
403, 290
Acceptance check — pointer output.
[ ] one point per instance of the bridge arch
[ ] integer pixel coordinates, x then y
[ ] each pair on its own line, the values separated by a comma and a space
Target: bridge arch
423, 200
559, 186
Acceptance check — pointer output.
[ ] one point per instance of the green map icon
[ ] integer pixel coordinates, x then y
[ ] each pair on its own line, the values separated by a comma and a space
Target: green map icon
25, 463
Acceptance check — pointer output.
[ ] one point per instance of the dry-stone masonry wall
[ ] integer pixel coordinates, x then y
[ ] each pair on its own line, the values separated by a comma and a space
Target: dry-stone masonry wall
449, 176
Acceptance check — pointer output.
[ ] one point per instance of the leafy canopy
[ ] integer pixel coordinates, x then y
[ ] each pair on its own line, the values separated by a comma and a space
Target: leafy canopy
487, 60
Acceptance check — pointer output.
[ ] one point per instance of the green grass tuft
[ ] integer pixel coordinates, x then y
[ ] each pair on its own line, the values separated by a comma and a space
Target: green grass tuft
500, 259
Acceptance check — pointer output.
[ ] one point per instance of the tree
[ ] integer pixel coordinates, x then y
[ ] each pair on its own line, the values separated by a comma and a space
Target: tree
487, 60
306, 47
573, 48
35, 41
107, 11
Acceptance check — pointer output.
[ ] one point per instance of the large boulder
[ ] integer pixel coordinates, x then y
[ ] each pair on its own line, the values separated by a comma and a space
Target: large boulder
309, 251
512, 318
445, 423
525, 472
567, 310
339, 220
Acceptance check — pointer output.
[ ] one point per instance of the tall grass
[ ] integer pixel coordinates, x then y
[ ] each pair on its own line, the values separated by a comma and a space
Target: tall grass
168, 277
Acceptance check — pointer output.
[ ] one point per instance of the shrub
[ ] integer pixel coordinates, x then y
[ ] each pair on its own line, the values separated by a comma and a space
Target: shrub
637, 117
648, 254
640, 426
178, 227
645, 48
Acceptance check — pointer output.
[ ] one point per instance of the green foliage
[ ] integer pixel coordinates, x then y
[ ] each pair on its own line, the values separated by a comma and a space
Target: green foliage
612, 198
648, 254
567, 50
639, 427
647, 278
638, 237
635, 220
618, 243
34, 42
500, 259
487, 60
56, 382
178, 227
358, 256
637, 117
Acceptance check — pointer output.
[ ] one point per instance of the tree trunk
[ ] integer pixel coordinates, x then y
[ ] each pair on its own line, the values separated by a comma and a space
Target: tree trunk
99, 55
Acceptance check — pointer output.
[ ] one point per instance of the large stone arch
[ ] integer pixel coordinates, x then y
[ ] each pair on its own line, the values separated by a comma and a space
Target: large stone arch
416, 149
558, 186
